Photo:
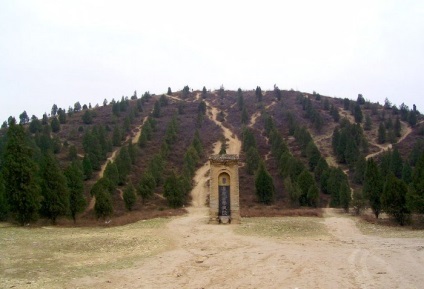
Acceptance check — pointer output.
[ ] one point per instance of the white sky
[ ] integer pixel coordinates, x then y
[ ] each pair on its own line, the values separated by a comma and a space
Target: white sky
67, 51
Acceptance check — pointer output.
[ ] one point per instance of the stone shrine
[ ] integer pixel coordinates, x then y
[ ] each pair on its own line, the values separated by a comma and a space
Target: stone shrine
224, 202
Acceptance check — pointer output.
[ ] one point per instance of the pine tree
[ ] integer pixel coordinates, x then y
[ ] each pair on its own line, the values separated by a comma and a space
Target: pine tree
169, 91
321, 166
54, 190
305, 181
373, 187
146, 186
313, 196
358, 114
381, 138
252, 160
293, 190
240, 99
313, 155
103, 207
116, 138
264, 185
111, 173
4, 206
244, 116
368, 123
415, 197
396, 163
358, 202
345, 197
87, 168
129, 196
74, 177
19, 174
173, 192
393, 199
359, 173
55, 125
156, 110
123, 163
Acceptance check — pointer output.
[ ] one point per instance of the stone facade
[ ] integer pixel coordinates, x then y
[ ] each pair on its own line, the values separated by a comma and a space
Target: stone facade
223, 167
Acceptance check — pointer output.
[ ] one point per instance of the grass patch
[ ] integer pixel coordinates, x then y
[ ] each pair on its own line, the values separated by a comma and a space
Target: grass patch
386, 229
284, 228
50, 256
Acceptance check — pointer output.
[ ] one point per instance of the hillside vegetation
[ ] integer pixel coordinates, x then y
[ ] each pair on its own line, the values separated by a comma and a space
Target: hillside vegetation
135, 158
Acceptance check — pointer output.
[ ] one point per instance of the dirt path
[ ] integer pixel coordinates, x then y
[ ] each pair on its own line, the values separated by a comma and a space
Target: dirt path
214, 256
112, 158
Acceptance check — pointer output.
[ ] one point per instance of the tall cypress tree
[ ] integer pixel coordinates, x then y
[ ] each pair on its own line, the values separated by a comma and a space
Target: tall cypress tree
373, 187
75, 182
393, 199
264, 186
54, 190
19, 174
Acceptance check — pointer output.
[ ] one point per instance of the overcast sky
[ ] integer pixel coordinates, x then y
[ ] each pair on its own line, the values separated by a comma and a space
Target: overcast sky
61, 52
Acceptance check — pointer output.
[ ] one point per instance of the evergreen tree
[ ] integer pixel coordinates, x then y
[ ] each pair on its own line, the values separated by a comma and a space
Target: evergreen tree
197, 143
87, 168
305, 181
313, 196
19, 174
345, 197
393, 199
173, 192
103, 207
163, 100
111, 173
156, 110
129, 196
373, 187
293, 190
396, 163
169, 91
156, 167
398, 127
368, 123
54, 190
381, 138
240, 99
313, 155
87, 117
321, 166
204, 91
258, 93
248, 140
123, 163
415, 197
146, 186
359, 173
132, 151
252, 160
74, 177
116, 137
23, 118
358, 202
55, 125
244, 116
35, 125
264, 185
4, 206
358, 113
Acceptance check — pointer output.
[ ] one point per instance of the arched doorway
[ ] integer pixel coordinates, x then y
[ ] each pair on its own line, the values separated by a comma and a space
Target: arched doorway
224, 195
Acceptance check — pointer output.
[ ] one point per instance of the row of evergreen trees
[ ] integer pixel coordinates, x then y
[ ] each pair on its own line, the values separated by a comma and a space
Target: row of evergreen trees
394, 187
32, 183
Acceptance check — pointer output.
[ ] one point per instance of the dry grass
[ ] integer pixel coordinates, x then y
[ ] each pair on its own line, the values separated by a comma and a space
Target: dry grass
387, 228
42, 257
284, 228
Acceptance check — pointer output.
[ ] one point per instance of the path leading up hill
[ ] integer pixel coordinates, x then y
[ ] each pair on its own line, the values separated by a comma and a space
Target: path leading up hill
112, 158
